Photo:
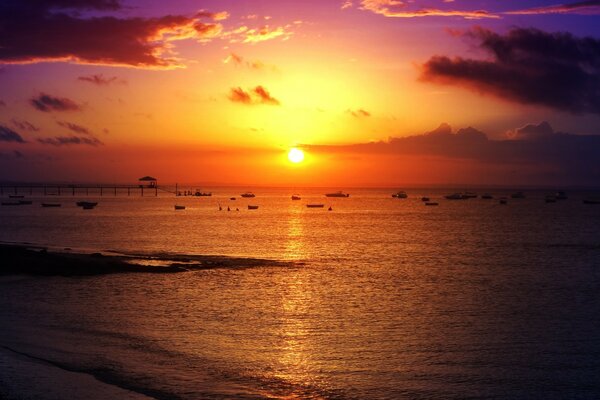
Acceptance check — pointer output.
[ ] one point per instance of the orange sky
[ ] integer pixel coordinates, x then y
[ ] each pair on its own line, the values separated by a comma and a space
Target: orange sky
219, 91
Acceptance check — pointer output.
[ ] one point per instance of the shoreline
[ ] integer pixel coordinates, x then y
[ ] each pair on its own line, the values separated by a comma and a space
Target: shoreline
29, 259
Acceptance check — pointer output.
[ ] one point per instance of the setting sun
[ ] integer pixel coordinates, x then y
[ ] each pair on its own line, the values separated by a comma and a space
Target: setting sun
296, 155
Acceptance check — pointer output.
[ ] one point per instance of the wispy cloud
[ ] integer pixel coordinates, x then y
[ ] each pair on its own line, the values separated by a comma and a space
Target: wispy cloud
46, 103
70, 140
8, 135
101, 80
258, 95
74, 128
360, 113
25, 125
408, 9
580, 7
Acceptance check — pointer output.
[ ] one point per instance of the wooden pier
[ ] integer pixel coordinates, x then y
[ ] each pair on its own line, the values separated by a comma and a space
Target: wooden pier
52, 189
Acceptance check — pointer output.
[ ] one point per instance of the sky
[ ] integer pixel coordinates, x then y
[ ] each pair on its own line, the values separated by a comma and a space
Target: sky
375, 92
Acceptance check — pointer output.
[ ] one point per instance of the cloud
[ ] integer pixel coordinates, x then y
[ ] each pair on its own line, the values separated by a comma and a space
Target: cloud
100, 79
360, 113
8, 135
591, 7
401, 9
56, 30
238, 60
265, 33
571, 158
14, 155
70, 140
47, 103
346, 4
258, 95
528, 66
531, 132
74, 127
25, 125
215, 16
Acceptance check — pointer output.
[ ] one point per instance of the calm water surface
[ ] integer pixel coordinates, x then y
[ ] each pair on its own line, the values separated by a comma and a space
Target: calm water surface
383, 298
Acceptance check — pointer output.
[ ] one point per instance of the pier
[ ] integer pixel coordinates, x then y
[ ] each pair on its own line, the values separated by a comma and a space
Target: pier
52, 189
147, 185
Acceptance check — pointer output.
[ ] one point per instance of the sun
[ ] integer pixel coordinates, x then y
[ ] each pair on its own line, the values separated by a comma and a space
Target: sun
296, 155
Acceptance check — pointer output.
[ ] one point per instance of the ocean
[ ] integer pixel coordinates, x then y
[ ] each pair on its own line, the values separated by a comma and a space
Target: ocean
380, 298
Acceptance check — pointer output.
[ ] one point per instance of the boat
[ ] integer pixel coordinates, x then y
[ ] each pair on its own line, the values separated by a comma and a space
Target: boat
469, 195
202, 194
25, 202
315, 205
49, 205
432, 203
248, 195
177, 207
252, 207
400, 195
88, 207
87, 203
456, 196
330, 208
503, 201
560, 195
487, 196
518, 195
15, 196
296, 197
11, 203
425, 199
232, 198
550, 199
337, 194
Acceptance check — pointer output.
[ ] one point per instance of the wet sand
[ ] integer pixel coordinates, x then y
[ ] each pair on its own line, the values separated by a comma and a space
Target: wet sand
36, 260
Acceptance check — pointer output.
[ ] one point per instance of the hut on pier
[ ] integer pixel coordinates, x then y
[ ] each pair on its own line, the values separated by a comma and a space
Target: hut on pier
148, 181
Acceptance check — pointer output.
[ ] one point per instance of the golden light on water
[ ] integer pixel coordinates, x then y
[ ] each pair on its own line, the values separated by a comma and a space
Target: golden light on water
296, 155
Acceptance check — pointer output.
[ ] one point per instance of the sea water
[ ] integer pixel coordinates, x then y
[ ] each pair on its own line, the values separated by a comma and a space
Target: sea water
380, 298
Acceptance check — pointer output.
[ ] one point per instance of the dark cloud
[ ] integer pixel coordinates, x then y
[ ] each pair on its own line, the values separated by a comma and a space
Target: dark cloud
580, 7
573, 157
47, 103
360, 113
8, 135
56, 30
531, 132
74, 127
258, 95
70, 140
25, 125
100, 79
528, 66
